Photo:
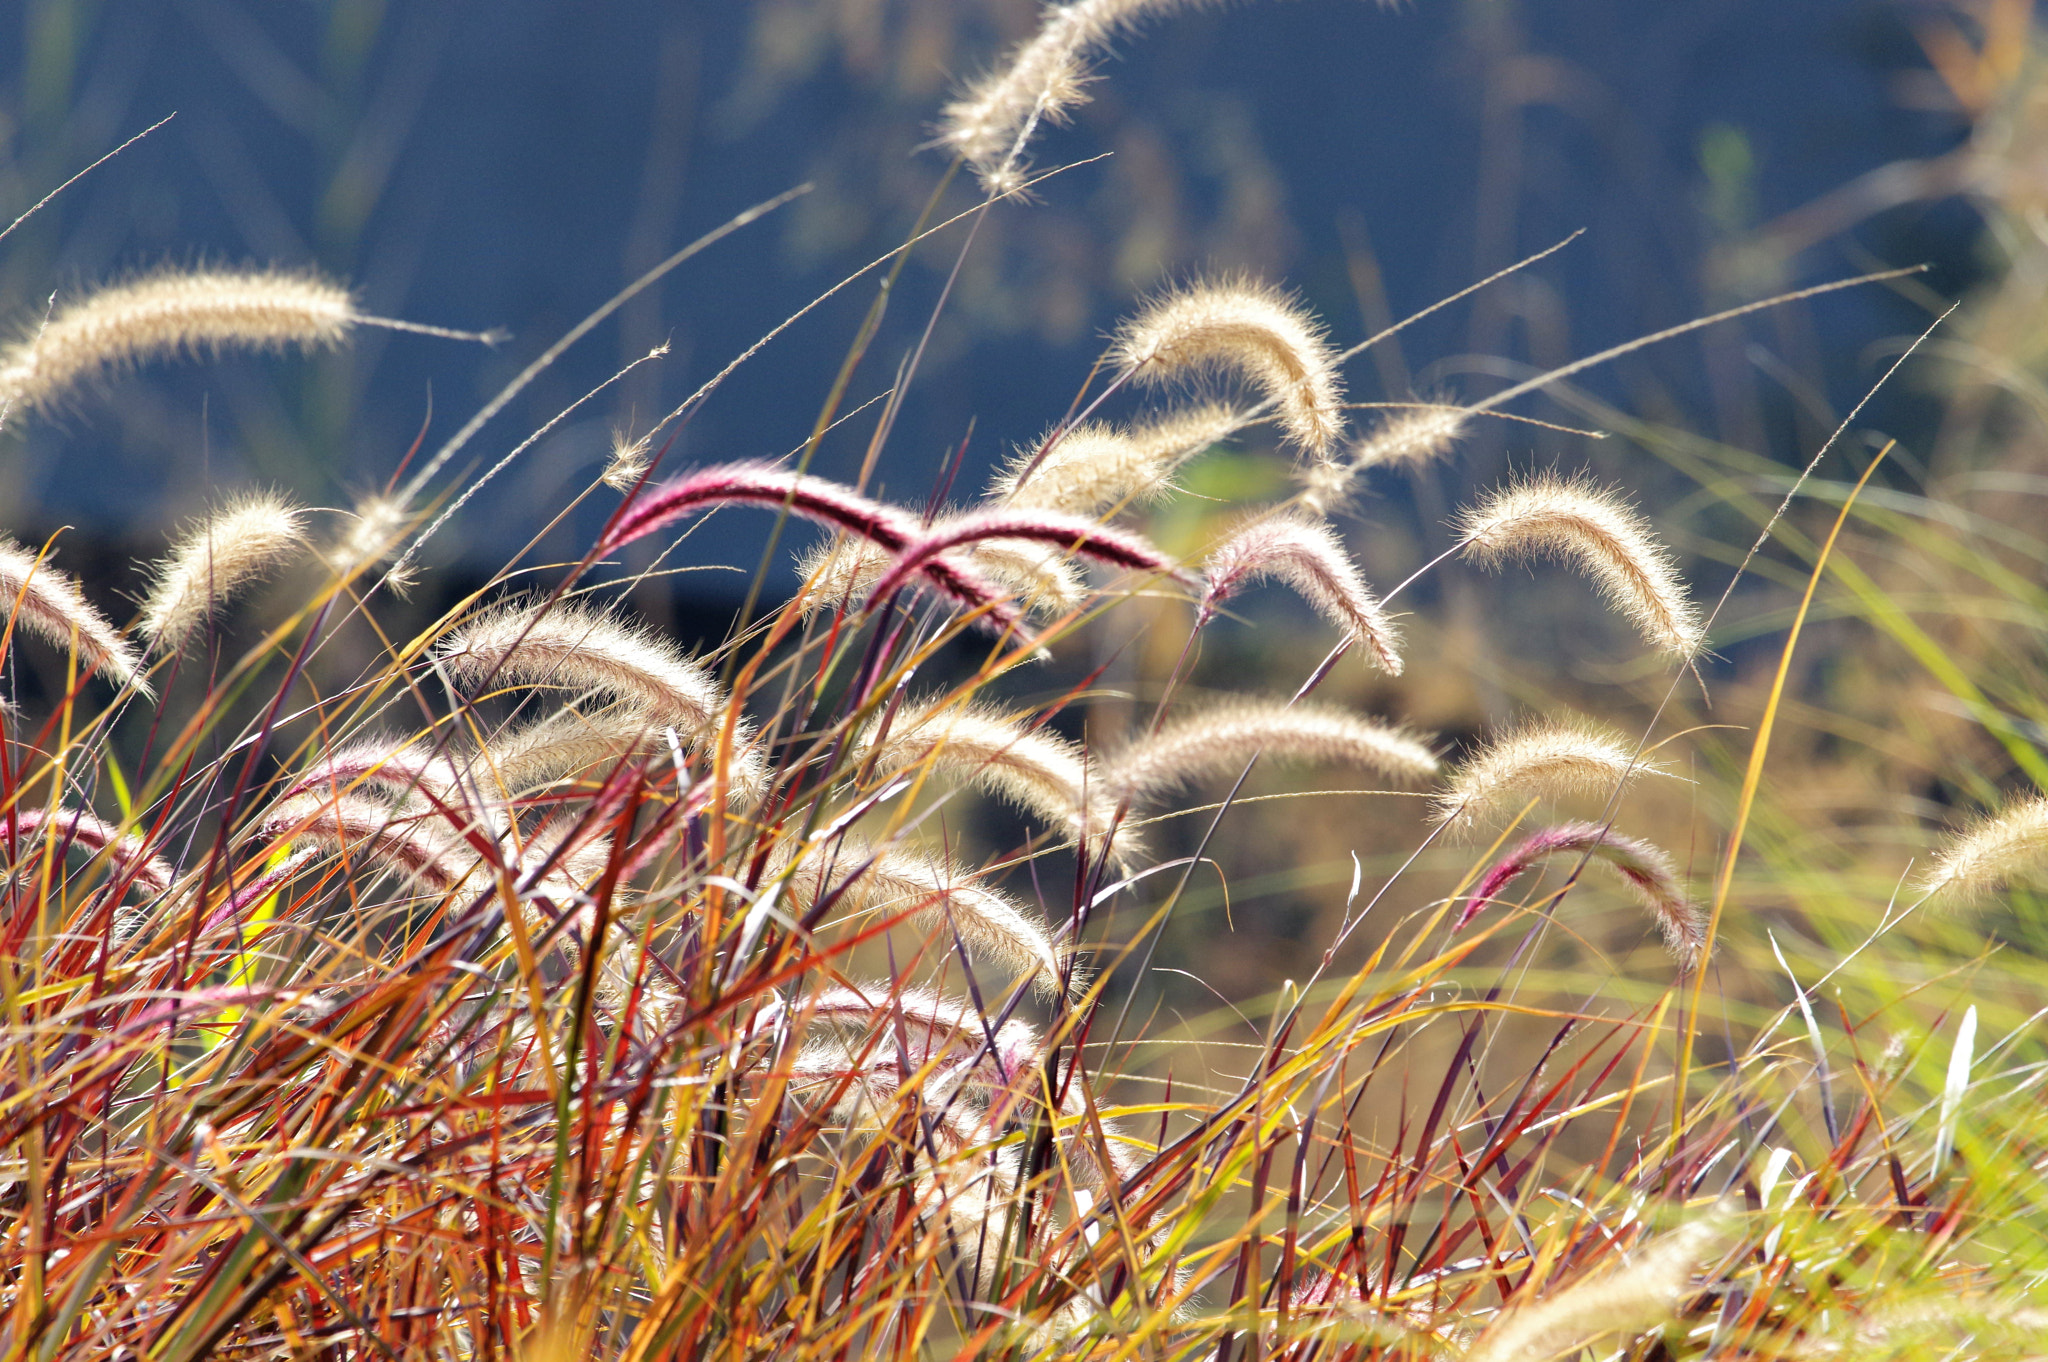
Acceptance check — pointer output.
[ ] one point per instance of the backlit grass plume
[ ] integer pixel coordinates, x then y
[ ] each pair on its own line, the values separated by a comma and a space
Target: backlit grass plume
178, 312
1407, 439
236, 545
1307, 555
993, 118
1645, 868
1642, 1292
1095, 468
1028, 764
31, 829
2006, 846
1548, 516
845, 571
816, 499
1538, 761
40, 600
583, 650
1249, 330
942, 899
1218, 739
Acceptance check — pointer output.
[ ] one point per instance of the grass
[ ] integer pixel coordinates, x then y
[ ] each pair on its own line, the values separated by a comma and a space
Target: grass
535, 988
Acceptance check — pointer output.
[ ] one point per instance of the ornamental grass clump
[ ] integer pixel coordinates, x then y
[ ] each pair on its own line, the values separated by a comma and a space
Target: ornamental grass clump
915, 970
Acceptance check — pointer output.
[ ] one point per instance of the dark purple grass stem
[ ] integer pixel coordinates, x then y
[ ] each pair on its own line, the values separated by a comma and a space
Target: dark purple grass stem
1075, 534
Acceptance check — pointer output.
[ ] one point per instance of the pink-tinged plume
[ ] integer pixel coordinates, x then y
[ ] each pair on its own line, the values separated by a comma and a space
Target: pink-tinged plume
1072, 533
815, 499
1646, 868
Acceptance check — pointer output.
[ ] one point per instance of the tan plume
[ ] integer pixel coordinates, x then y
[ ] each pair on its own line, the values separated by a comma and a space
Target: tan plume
1990, 853
45, 602
527, 643
1219, 739
1241, 327
629, 462
179, 312
1031, 766
236, 545
1541, 760
1407, 439
1548, 516
567, 744
381, 524
946, 899
1094, 468
1639, 1295
1307, 555
1041, 80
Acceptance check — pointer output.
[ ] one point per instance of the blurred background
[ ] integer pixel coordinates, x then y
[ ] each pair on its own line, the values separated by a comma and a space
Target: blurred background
514, 164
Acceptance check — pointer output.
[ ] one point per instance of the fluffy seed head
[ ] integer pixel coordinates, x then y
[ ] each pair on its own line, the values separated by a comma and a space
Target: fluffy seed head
1219, 739
1307, 555
945, 897
1244, 328
381, 524
1551, 517
352, 825
1031, 766
846, 571
238, 544
814, 499
47, 603
559, 644
1408, 440
990, 121
1539, 761
1643, 866
1066, 533
566, 744
1640, 1295
1096, 468
169, 314
399, 768
628, 461
127, 851
526, 643
1994, 851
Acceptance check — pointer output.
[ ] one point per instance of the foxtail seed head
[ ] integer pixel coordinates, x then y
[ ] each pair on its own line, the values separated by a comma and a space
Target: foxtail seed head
1644, 867
1093, 469
1250, 329
238, 544
47, 603
1540, 761
1991, 852
1550, 517
1306, 555
180, 312
1219, 739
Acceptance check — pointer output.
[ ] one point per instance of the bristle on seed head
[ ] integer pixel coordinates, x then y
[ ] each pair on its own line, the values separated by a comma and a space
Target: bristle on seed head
1248, 329
1307, 555
236, 545
1539, 761
1571, 520
38, 599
